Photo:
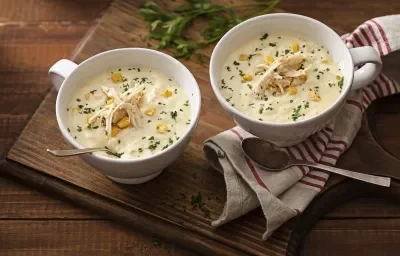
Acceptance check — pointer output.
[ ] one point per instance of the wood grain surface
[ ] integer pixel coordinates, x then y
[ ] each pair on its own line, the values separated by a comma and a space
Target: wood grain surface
27, 56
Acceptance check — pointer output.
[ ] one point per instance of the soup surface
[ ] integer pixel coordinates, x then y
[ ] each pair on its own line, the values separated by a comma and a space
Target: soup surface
281, 78
133, 111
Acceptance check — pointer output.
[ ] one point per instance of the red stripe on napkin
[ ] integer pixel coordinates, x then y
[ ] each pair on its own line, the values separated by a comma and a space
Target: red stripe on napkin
251, 166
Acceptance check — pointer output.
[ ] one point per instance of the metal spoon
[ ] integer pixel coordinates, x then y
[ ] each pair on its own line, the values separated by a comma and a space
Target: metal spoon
74, 152
273, 158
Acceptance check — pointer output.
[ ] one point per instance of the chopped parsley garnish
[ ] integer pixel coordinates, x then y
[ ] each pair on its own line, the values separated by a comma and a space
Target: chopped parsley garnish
276, 54
291, 101
315, 69
340, 84
140, 150
186, 103
78, 100
259, 73
170, 141
272, 44
80, 106
231, 77
95, 127
88, 110
151, 138
251, 56
250, 86
265, 36
174, 114
119, 141
153, 146
306, 105
68, 130
176, 91
287, 51
115, 154
222, 81
79, 129
92, 92
261, 110
236, 63
318, 77
296, 113
228, 68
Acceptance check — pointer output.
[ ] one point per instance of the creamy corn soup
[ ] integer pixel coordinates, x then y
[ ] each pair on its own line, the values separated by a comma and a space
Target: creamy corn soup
133, 111
281, 78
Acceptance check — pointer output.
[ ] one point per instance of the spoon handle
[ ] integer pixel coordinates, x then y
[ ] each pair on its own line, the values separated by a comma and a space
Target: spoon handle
377, 180
74, 152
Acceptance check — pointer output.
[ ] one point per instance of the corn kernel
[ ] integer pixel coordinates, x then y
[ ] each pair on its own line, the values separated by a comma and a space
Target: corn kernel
166, 93
114, 131
150, 112
338, 78
292, 90
247, 77
269, 59
295, 47
243, 57
110, 101
87, 96
325, 61
313, 96
116, 77
124, 122
162, 128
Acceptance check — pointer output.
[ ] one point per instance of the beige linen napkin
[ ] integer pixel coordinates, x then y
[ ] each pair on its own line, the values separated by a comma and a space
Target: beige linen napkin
283, 195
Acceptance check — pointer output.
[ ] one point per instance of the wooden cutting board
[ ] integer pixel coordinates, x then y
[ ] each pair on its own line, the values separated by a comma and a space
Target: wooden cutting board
162, 206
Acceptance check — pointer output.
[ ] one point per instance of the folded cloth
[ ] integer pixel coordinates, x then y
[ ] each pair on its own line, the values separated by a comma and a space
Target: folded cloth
283, 195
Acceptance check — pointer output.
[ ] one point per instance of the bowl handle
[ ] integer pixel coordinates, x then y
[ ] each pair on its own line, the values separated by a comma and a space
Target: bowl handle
373, 65
61, 70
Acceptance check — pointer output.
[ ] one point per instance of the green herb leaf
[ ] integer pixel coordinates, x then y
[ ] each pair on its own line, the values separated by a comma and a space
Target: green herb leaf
168, 27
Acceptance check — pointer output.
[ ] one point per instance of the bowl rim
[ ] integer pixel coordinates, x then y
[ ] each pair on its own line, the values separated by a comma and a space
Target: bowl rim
167, 58
242, 26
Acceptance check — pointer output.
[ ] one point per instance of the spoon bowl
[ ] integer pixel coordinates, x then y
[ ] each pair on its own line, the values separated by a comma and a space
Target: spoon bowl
272, 158
266, 154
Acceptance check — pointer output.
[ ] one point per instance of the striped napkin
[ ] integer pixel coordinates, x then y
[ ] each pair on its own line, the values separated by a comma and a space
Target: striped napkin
283, 195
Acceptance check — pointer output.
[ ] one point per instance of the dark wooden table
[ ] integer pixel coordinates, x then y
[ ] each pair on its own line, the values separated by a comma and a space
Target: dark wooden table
36, 33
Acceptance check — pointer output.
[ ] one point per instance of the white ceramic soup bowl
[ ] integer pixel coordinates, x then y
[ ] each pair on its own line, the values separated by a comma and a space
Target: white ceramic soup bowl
347, 59
67, 76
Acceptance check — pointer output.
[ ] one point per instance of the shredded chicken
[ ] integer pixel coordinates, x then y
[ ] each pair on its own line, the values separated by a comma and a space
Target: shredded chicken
281, 74
124, 104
